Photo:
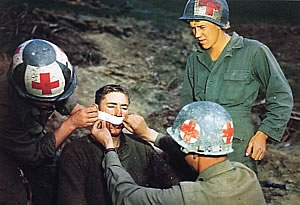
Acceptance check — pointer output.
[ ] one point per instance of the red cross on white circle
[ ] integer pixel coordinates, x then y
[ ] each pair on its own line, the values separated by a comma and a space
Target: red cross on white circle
210, 6
45, 85
190, 131
228, 132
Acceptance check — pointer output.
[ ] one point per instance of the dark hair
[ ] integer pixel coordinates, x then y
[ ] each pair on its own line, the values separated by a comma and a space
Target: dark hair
101, 92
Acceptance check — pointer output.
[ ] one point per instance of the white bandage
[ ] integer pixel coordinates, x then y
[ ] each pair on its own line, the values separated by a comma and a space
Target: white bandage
110, 118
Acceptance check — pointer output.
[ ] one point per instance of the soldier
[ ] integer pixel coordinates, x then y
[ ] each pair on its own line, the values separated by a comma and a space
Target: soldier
81, 176
203, 131
39, 81
230, 70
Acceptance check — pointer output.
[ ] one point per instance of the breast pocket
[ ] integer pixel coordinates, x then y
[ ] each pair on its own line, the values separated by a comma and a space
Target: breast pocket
235, 88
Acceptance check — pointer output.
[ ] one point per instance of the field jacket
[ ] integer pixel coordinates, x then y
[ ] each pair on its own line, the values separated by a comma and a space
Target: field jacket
224, 183
243, 69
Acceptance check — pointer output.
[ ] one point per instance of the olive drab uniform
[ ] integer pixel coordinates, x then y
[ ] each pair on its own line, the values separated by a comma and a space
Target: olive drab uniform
234, 81
39, 81
242, 186
24, 144
199, 129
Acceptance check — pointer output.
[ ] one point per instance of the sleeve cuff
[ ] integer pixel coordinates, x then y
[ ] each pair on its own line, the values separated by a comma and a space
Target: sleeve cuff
273, 133
157, 140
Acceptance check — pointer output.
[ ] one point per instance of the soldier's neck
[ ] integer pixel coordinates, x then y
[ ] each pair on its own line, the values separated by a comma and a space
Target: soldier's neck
116, 141
219, 46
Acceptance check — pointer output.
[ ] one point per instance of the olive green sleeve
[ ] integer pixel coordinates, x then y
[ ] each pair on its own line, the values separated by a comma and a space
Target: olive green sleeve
124, 190
279, 98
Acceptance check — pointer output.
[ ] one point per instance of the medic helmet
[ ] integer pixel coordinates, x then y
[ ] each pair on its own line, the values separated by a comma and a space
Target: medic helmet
41, 71
214, 11
204, 128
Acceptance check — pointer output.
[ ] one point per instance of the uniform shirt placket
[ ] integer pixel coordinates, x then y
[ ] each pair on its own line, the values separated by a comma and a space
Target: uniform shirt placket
214, 81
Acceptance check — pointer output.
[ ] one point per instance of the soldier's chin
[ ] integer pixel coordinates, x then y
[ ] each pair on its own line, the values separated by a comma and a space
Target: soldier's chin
115, 131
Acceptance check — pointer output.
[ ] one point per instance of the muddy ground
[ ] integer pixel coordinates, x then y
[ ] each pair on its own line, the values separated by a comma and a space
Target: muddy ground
149, 60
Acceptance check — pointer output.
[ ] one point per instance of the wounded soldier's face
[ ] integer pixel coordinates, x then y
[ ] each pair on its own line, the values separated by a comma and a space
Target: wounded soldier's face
116, 104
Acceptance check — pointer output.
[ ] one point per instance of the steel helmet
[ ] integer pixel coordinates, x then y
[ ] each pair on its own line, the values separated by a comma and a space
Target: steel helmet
214, 11
203, 127
41, 71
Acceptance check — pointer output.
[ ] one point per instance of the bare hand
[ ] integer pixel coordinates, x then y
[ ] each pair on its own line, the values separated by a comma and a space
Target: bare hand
137, 125
84, 117
102, 134
257, 146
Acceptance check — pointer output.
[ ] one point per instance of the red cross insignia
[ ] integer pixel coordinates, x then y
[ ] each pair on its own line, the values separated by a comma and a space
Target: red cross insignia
45, 85
18, 49
210, 5
228, 132
17, 58
190, 131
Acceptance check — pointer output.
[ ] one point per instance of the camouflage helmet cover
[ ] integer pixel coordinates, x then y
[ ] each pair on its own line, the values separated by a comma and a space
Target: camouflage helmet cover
203, 127
214, 11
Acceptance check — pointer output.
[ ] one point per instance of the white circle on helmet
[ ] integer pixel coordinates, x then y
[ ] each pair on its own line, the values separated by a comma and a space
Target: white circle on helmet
190, 131
227, 132
46, 81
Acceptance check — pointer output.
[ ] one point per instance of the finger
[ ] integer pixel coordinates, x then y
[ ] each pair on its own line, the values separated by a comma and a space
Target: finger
254, 156
105, 124
249, 149
89, 124
92, 109
257, 153
126, 118
97, 124
128, 127
261, 156
92, 113
92, 119
131, 118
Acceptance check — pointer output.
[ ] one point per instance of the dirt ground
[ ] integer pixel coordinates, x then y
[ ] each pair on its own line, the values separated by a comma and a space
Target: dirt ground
150, 62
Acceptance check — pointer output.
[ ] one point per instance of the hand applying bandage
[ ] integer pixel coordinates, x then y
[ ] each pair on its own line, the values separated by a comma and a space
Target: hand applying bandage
137, 125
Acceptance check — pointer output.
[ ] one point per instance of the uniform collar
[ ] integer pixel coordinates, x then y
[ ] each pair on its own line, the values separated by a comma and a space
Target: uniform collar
236, 42
215, 170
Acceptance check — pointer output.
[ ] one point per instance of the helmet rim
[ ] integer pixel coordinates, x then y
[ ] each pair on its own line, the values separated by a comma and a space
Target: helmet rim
67, 93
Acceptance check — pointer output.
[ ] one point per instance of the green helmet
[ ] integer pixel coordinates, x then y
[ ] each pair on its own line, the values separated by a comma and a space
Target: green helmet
214, 11
203, 127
